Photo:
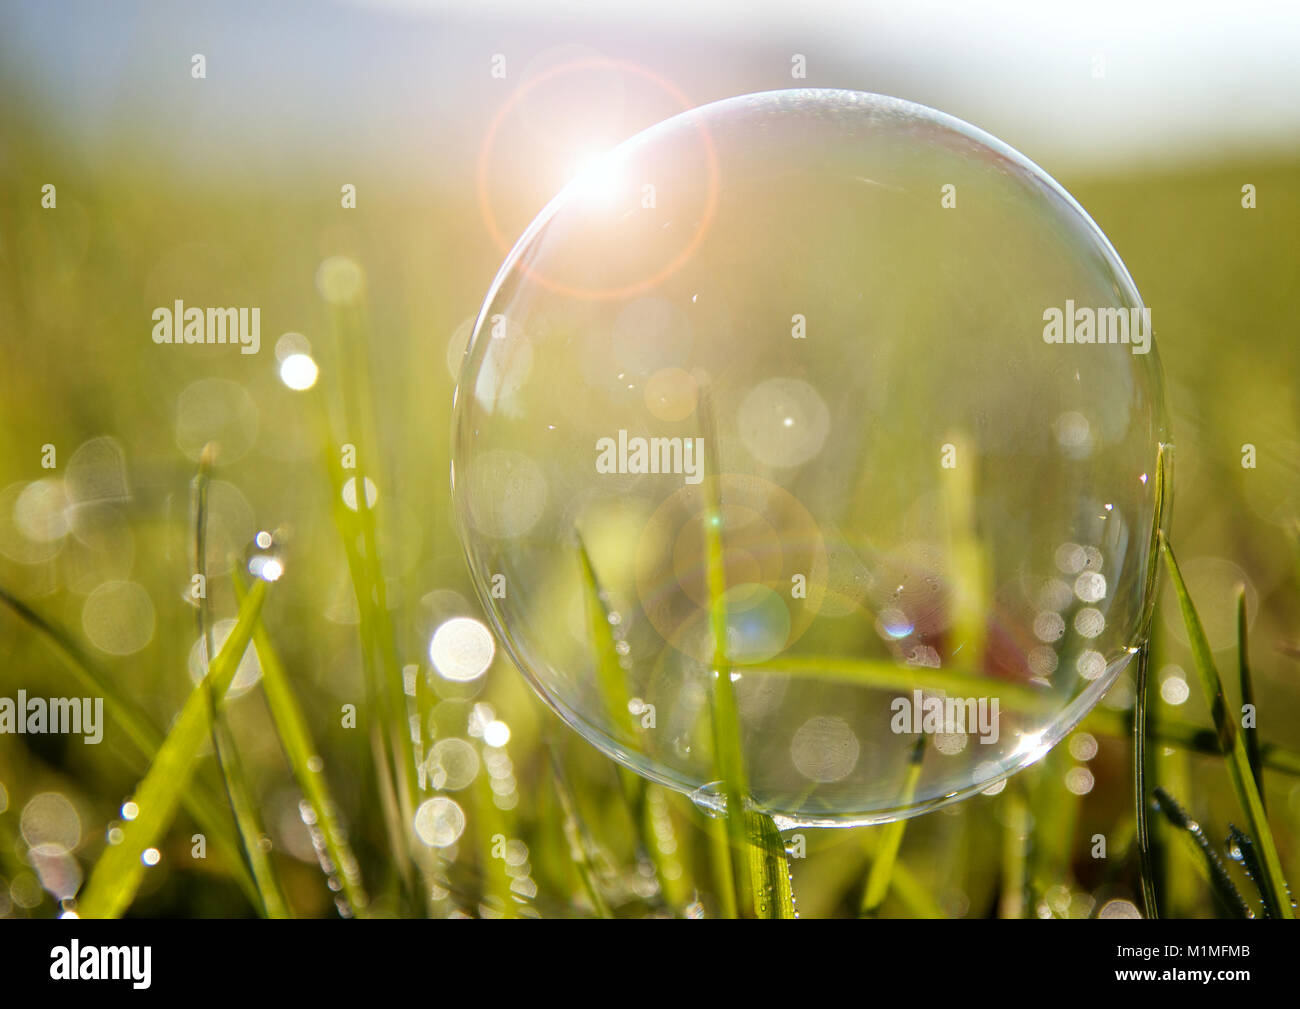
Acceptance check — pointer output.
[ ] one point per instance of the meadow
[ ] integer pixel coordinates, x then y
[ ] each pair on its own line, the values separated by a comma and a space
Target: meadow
348, 777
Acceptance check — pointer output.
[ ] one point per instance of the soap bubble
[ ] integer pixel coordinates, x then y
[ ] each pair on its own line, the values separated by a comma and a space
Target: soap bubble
831, 401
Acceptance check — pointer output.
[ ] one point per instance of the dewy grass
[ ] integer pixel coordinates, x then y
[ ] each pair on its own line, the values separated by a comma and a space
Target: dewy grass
754, 893
117, 874
1232, 744
1243, 850
308, 770
391, 736
1212, 866
612, 683
575, 832
773, 894
610, 677
492, 830
229, 765
202, 802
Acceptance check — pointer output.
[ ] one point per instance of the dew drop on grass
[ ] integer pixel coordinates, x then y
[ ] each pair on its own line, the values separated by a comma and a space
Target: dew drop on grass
831, 410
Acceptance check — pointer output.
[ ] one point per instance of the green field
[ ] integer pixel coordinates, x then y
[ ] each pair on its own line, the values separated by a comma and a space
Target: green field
551, 829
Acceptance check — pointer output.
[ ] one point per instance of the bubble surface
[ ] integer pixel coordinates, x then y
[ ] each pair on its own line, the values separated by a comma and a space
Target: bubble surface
803, 396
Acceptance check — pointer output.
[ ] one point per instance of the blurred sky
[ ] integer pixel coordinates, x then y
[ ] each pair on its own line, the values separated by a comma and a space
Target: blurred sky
403, 86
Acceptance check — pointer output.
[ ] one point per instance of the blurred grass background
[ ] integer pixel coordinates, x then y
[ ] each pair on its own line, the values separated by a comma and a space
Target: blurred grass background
132, 231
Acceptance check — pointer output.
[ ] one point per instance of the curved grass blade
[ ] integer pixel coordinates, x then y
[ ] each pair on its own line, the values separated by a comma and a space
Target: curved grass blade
1231, 743
960, 682
1220, 881
201, 803
300, 751
1242, 849
117, 874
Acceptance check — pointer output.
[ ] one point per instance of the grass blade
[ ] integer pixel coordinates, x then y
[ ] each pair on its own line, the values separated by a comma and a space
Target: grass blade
1248, 697
1233, 746
769, 870
1141, 769
1243, 850
202, 803
960, 682
610, 677
611, 680
576, 833
342, 283
116, 876
229, 766
1220, 882
300, 751
891, 837
728, 754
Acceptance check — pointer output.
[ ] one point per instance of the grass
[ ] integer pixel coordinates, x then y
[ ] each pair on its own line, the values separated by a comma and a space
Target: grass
229, 765
337, 858
365, 588
118, 873
1233, 744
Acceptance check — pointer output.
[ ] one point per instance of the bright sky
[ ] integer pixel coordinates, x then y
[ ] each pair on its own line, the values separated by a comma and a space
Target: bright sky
403, 82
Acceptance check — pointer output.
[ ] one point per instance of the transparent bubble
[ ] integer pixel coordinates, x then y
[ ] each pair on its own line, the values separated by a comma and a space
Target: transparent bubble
831, 402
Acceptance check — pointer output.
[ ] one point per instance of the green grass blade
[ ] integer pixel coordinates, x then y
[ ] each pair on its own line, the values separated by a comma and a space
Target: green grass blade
1231, 743
202, 803
887, 675
1141, 771
1143, 765
1220, 882
391, 740
728, 753
576, 833
1244, 852
768, 868
1247, 687
1014, 889
300, 751
490, 825
610, 677
229, 765
611, 680
266, 879
966, 559
891, 837
116, 876
1054, 812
